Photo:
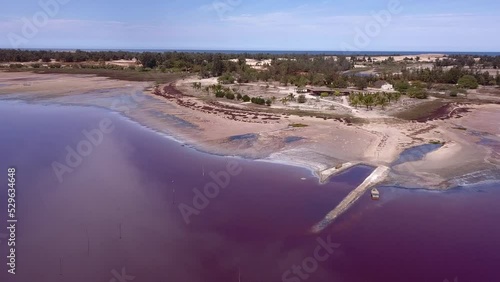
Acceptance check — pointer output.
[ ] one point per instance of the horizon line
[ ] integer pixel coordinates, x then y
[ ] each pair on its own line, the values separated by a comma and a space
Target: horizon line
239, 50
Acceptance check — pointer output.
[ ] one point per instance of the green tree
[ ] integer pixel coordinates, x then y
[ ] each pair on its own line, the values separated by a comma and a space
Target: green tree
381, 100
417, 92
468, 82
217, 66
354, 100
246, 98
401, 86
361, 83
148, 60
368, 101
339, 82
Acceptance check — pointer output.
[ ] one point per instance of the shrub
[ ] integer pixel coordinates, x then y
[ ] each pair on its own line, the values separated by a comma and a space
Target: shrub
417, 92
269, 102
226, 78
220, 94
468, 82
401, 86
230, 96
15, 66
324, 95
239, 96
258, 100
302, 99
246, 98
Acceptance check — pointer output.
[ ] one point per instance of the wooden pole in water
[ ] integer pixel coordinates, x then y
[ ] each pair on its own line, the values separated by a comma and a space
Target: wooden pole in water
88, 242
173, 194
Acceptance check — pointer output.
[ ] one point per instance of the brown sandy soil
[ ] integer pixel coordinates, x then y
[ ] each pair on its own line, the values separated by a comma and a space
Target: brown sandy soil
487, 93
121, 63
55, 85
462, 154
234, 128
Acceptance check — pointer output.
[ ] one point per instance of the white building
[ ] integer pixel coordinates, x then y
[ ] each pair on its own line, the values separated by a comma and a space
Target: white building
387, 87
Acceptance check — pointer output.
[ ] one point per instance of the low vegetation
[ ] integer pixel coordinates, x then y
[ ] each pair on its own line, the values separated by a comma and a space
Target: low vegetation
298, 125
370, 100
221, 91
422, 110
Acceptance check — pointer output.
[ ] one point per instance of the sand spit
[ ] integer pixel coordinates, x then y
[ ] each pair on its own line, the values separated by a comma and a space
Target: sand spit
377, 176
327, 173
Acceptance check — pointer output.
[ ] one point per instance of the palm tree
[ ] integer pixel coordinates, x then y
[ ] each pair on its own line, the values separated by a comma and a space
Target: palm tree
368, 100
382, 101
354, 100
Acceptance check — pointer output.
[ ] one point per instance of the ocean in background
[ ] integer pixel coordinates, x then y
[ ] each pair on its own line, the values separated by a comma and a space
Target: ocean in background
278, 52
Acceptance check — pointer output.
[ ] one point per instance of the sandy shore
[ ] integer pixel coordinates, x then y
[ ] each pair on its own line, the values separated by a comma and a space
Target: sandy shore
319, 145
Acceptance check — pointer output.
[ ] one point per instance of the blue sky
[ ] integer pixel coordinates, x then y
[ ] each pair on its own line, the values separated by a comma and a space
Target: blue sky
410, 25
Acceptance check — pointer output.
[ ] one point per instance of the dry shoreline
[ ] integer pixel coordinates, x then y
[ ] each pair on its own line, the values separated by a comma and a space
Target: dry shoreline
326, 147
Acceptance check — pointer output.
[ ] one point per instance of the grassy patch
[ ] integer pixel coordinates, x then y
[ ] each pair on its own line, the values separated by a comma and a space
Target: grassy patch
326, 116
422, 110
128, 75
436, 142
298, 125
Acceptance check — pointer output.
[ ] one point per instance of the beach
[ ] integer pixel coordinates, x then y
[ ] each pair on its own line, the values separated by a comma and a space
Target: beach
318, 144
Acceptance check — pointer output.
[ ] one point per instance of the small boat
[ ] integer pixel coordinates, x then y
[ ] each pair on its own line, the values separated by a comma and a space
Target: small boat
375, 194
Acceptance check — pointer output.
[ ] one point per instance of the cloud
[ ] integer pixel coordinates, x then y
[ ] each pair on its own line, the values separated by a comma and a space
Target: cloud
297, 28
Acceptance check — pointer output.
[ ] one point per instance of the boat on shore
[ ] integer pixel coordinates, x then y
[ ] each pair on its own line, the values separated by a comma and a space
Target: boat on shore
375, 194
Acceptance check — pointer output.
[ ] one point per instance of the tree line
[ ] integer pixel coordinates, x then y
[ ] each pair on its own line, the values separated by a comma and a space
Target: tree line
289, 69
